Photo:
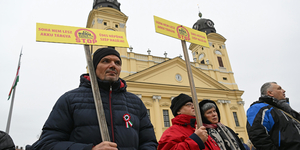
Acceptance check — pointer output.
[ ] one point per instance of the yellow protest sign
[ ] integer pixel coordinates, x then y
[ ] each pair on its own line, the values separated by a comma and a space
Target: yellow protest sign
76, 35
180, 32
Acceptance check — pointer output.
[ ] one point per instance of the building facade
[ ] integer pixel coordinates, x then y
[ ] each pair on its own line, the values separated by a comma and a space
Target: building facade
156, 80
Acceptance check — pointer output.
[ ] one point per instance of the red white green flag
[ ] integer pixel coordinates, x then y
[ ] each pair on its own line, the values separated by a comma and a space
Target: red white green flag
16, 78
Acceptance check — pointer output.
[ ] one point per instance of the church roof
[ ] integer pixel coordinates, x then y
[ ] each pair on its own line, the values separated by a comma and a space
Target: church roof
165, 72
204, 25
106, 3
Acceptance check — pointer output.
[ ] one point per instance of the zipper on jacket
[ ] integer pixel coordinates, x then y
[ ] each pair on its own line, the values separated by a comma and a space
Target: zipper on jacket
297, 128
284, 116
111, 118
292, 122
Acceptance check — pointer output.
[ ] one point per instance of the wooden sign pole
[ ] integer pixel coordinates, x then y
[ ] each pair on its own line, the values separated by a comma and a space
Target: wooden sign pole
194, 36
97, 97
74, 36
192, 85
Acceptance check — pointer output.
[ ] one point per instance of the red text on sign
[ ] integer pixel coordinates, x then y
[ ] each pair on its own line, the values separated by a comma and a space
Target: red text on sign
82, 40
44, 29
46, 34
117, 40
62, 35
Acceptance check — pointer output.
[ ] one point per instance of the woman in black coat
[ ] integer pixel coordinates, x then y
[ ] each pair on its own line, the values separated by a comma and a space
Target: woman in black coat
225, 137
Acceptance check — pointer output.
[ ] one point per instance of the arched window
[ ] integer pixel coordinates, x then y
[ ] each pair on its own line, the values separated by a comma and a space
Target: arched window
220, 61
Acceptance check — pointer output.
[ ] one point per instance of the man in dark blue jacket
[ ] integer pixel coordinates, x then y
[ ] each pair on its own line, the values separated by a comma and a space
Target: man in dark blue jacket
73, 124
271, 123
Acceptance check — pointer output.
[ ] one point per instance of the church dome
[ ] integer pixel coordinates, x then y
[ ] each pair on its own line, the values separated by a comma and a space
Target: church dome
205, 25
106, 3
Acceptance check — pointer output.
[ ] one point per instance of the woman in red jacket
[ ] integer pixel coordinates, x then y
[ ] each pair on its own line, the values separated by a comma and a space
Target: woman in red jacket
182, 134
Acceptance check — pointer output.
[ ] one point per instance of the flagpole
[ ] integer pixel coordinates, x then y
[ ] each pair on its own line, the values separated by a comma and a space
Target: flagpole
14, 87
10, 111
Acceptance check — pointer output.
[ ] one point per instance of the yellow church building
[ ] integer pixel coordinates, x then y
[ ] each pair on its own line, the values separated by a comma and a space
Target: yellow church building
156, 80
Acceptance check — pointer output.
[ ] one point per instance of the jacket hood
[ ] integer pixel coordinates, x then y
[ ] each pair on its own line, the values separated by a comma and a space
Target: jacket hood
119, 85
204, 120
270, 100
281, 104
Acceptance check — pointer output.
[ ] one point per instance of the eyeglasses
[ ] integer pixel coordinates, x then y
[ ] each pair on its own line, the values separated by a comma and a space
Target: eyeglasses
189, 104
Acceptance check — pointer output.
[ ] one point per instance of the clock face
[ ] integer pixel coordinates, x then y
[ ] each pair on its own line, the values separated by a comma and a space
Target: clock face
196, 27
210, 24
178, 77
218, 52
201, 56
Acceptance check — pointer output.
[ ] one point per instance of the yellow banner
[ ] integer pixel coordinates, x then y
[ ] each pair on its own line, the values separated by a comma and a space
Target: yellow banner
76, 35
180, 32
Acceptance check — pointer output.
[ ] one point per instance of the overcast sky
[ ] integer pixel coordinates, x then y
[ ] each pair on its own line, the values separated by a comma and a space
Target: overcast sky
262, 39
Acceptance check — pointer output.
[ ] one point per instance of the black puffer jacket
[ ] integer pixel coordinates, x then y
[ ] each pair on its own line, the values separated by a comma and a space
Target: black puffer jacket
73, 123
6, 142
269, 128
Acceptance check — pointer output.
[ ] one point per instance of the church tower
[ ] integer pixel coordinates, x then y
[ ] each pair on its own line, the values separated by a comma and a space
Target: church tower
107, 15
214, 60
157, 80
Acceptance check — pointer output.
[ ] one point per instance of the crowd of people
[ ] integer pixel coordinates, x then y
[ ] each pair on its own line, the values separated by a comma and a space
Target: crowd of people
72, 124
271, 125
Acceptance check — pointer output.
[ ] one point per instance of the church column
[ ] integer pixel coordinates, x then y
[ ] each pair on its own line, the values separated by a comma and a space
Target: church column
222, 111
242, 119
157, 113
229, 115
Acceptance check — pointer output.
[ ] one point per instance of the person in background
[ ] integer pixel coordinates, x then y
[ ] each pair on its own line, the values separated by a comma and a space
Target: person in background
250, 145
246, 146
182, 135
6, 142
225, 137
271, 122
73, 124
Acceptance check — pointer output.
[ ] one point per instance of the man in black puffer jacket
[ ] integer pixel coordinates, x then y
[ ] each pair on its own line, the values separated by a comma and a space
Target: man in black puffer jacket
73, 124
6, 142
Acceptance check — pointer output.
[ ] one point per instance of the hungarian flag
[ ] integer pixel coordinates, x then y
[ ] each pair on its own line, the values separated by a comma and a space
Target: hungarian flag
16, 78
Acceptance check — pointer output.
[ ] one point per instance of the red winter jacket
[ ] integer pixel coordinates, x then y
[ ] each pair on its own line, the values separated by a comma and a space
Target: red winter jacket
181, 136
